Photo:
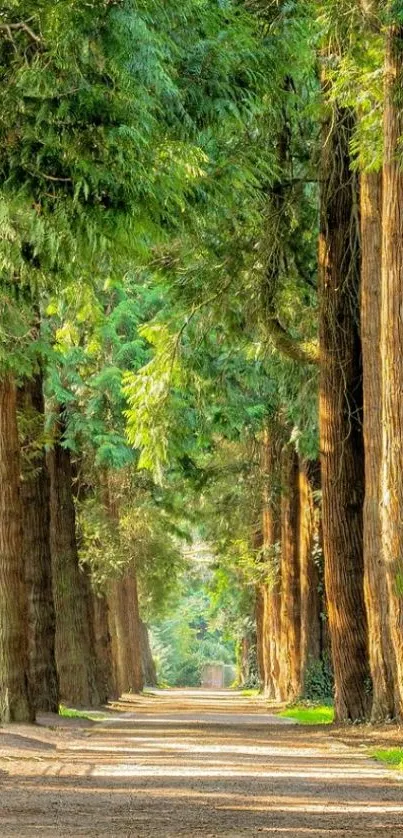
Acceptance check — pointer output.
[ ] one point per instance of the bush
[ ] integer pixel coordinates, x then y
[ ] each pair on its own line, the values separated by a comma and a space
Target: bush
319, 681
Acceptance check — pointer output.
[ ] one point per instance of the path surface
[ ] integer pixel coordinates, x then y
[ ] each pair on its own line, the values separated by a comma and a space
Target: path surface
192, 764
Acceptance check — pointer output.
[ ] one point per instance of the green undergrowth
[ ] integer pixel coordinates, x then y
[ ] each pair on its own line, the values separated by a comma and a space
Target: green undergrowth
250, 693
391, 756
310, 714
71, 713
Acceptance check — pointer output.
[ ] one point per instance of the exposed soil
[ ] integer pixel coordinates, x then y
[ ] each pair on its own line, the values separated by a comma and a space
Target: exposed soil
194, 764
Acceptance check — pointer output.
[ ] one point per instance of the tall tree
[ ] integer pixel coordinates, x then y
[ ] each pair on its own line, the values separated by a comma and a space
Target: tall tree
271, 594
35, 498
75, 657
103, 648
381, 652
340, 415
15, 700
392, 342
290, 654
309, 538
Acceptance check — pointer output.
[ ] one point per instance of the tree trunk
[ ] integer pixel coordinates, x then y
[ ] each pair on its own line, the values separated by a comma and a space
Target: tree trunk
261, 640
392, 349
147, 661
375, 585
271, 540
125, 633
134, 631
124, 616
116, 631
341, 441
15, 702
74, 655
290, 671
243, 661
308, 538
103, 649
35, 495
100, 652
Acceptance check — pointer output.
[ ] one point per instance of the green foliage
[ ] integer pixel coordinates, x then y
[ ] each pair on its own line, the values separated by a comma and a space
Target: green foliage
90, 715
353, 43
144, 533
390, 756
190, 636
213, 370
252, 692
319, 682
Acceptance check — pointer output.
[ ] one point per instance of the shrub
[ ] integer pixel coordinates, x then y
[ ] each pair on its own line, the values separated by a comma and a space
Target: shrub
319, 681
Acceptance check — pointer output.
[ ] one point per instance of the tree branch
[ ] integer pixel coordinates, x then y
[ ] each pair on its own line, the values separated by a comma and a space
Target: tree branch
305, 352
22, 26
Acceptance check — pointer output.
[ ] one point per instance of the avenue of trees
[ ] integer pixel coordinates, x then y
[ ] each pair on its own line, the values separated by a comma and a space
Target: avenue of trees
201, 287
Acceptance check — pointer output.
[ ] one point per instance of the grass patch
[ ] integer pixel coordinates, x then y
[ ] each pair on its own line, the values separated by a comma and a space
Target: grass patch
392, 756
251, 693
304, 714
70, 713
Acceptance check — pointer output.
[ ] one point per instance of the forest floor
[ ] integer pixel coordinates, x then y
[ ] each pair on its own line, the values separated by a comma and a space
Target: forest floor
194, 763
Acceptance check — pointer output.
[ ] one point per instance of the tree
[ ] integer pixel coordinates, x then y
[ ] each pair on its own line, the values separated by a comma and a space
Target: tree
391, 342
75, 656
271, 523
290, 637
340, 412
35, 497
376, 594
15, 699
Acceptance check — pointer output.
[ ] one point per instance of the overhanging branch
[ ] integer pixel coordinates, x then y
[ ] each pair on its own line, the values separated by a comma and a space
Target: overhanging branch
21, 26
305, 352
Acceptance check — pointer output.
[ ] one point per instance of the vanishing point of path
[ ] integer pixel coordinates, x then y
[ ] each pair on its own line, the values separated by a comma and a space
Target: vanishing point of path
191, 763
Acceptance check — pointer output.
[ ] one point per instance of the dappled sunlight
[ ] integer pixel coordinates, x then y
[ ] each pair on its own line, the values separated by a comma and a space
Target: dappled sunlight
137, 777
138, 744
325, 808
319, 773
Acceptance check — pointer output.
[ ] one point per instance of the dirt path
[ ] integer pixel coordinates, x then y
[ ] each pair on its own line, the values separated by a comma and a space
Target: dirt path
192, 764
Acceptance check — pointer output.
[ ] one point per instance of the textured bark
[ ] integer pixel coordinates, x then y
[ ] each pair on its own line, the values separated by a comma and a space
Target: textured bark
124, 616
99, 654
290, 670
308, 538
117, 633
113, 593
147, 661
35, 495
75, 655
341, 439
243, 661
103, 649
126, 634
134, 631
392, 349
15, 702
375, 585
261, 641
271, 539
